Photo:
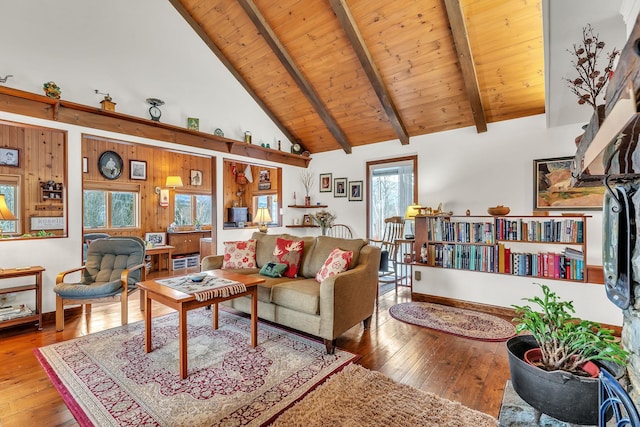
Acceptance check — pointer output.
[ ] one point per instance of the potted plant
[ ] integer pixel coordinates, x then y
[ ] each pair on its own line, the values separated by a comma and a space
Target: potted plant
557, 385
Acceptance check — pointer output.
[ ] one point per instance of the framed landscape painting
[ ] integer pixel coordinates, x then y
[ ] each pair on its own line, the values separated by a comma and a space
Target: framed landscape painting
553, 190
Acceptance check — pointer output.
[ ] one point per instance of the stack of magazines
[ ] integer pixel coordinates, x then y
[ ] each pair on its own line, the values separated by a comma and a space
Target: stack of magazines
9, 312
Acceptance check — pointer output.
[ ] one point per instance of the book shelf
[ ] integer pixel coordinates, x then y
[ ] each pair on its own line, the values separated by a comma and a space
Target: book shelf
549, 247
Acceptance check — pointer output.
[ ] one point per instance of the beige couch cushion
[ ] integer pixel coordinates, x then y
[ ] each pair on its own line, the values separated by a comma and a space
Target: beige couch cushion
323, 247
264, 247
300, 295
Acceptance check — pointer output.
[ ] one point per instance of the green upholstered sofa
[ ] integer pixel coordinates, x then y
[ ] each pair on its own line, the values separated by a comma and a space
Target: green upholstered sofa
326, 309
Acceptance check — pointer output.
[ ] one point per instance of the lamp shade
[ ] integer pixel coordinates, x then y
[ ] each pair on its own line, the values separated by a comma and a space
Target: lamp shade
263, 216
173, 182
5, 212
412, 211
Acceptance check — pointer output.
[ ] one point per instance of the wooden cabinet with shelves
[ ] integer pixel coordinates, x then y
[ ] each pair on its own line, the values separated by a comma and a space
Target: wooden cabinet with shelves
533, 246
51, 191
186, 242
21, 315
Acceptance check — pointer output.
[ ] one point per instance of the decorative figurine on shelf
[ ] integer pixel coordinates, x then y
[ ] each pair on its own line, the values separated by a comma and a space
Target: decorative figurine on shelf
52, 90
154, 111
247, 137
294, 199
107, 103
423, 253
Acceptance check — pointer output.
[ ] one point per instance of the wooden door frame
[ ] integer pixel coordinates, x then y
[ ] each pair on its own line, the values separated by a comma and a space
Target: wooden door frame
413, 158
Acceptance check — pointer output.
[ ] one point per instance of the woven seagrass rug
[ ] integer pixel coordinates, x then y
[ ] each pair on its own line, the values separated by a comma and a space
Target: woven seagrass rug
359, 397
107, 379
452, 320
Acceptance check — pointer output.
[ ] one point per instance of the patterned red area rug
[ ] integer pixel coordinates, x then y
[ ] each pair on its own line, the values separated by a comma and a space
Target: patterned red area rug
106, 378
456, 321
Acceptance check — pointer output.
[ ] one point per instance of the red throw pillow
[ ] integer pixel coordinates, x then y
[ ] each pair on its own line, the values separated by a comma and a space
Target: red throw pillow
337, 262
289, 252
240, 254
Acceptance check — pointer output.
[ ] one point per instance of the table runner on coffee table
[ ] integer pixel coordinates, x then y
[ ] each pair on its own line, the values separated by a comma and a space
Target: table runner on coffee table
209, 287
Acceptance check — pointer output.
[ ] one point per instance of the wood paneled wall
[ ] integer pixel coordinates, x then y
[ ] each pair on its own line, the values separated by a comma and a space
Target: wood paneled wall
42, 154
160, 164
232, 186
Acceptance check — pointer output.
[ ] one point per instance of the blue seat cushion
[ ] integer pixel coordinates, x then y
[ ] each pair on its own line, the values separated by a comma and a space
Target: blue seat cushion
82, 290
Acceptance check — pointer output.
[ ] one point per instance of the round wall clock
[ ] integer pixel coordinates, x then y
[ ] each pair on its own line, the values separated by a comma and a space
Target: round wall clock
110, 165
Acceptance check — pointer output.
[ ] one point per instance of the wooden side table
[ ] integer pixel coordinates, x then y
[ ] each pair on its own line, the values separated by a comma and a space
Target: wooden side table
160, 250
11, 273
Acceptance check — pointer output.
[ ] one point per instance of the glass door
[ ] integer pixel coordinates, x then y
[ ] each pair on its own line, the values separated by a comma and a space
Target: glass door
391, 188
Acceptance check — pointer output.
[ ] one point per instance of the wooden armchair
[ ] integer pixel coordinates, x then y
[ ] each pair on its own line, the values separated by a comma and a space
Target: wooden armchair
393, 230
113, 267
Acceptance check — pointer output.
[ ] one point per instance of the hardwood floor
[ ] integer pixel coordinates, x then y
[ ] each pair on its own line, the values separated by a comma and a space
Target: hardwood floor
468, 371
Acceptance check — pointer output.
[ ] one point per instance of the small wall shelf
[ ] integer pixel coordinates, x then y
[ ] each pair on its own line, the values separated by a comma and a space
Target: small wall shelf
307, 206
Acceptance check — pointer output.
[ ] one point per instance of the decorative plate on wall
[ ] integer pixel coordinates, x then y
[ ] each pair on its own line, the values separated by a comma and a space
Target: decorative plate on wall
110, 165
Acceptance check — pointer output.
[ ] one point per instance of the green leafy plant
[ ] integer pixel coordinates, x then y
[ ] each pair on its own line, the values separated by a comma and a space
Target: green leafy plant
566, 343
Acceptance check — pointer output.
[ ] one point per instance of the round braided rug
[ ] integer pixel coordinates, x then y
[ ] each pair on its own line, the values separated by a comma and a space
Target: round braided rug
452, 320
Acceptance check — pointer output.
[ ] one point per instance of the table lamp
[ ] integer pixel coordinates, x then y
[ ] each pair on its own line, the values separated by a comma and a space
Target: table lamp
5, 212
412, 210
263, 217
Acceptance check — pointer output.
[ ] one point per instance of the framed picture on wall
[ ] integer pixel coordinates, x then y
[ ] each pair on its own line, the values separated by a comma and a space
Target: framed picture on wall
552, 189
196, 177
355, 191
325, 183
138, 169
340, 187
9, 157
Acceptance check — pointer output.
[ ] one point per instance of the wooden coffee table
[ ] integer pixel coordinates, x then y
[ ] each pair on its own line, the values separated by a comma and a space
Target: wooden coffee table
182, 303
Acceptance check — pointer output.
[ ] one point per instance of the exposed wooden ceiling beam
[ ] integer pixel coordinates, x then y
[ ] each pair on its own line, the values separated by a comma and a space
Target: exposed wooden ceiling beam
461, 41
350, 27
272, 40
221, 56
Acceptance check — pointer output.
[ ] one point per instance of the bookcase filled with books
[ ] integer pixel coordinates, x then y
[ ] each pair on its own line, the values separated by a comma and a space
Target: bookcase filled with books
550, 247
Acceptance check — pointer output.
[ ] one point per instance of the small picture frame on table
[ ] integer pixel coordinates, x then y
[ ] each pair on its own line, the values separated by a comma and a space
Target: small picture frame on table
156, 239
138, 169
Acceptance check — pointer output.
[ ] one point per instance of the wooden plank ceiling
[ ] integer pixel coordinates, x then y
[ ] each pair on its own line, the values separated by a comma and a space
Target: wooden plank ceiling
337, 74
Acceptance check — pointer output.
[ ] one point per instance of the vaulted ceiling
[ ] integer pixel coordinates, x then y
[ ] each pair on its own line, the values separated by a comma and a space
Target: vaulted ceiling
337, 74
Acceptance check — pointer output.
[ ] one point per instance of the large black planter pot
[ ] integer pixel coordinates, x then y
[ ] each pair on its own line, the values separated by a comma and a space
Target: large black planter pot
561, 395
